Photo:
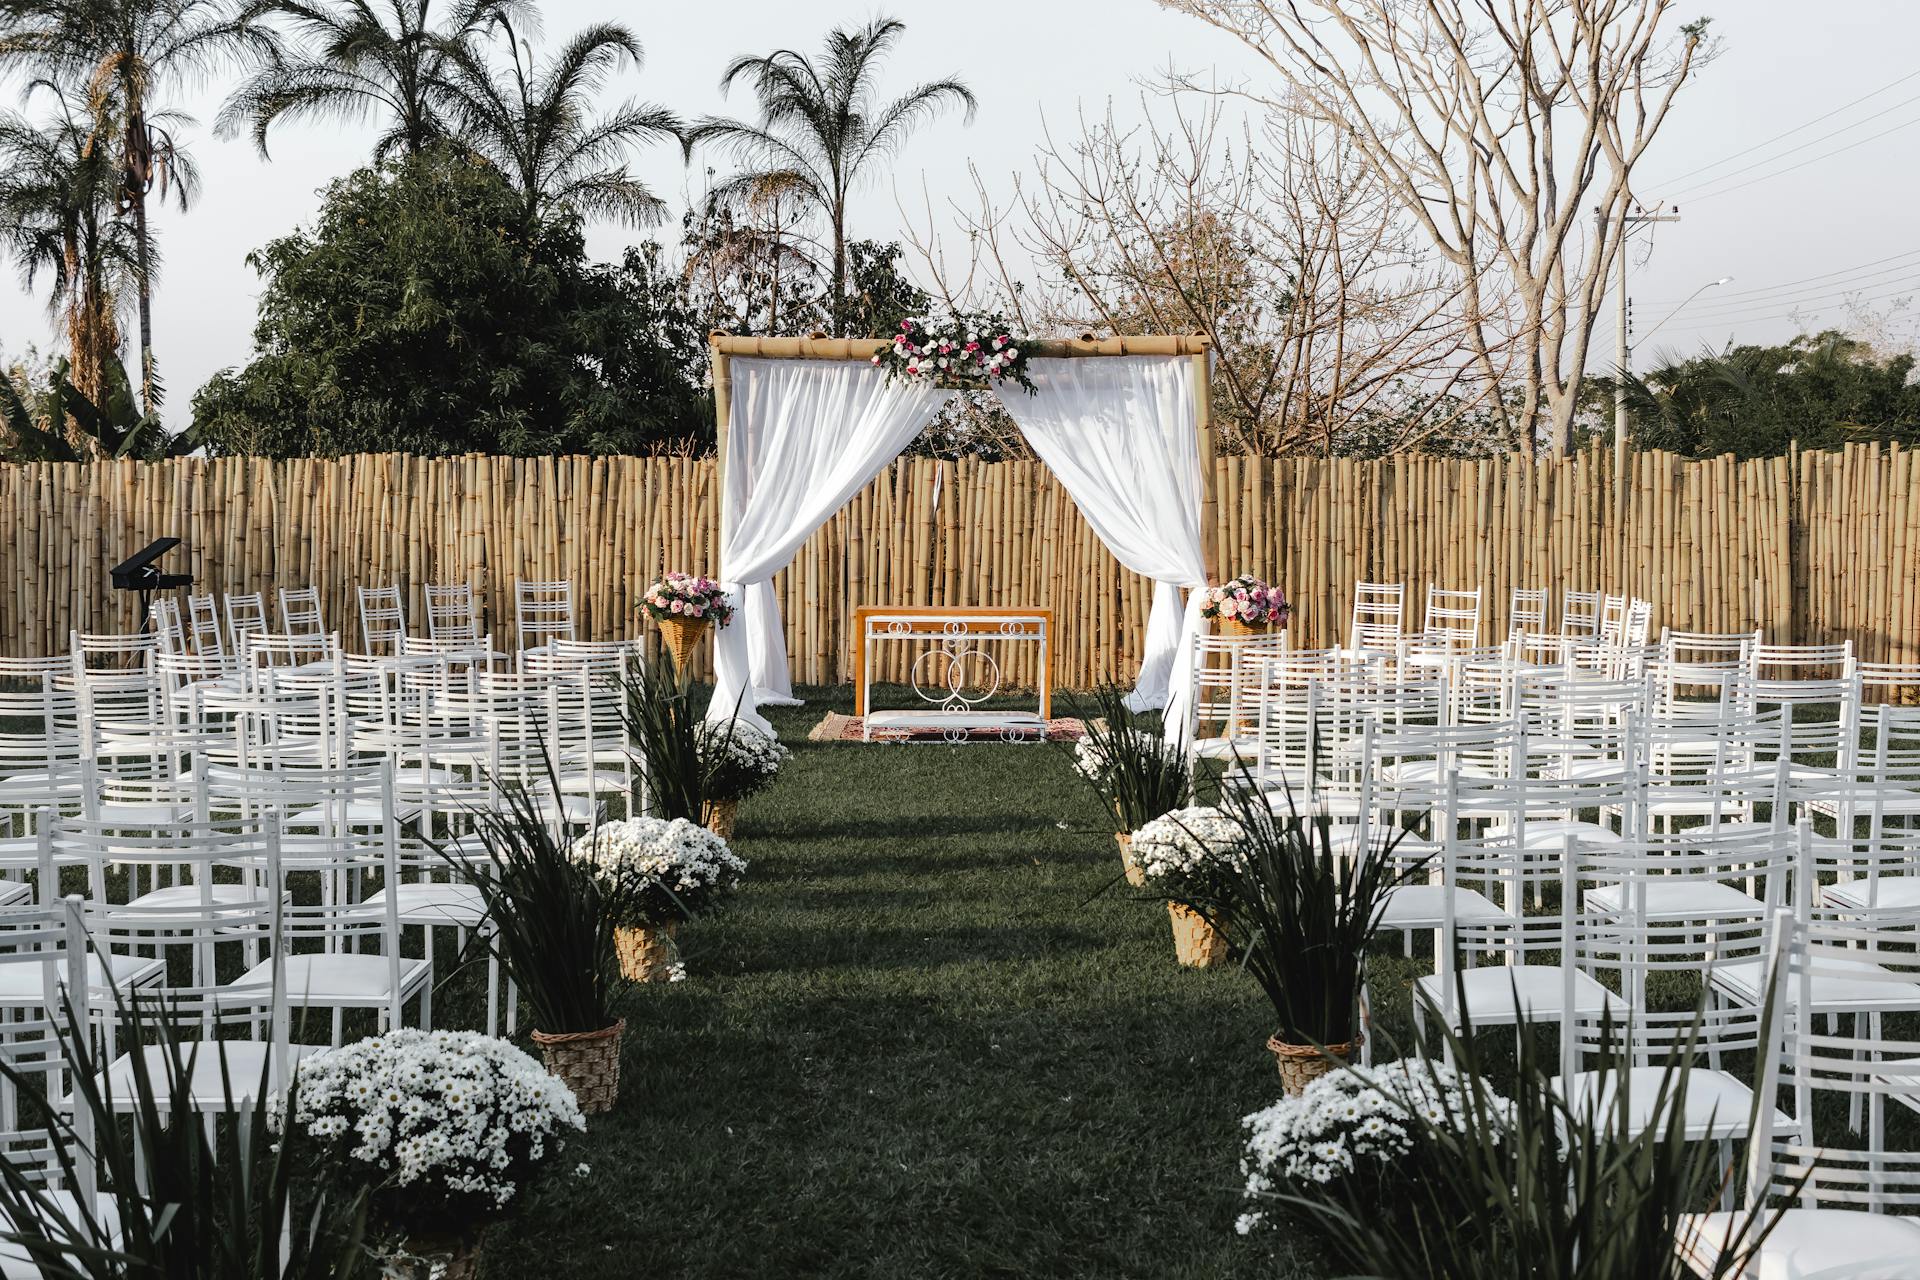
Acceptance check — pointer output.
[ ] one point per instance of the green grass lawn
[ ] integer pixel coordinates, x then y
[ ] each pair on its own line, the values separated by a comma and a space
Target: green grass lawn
936, 1035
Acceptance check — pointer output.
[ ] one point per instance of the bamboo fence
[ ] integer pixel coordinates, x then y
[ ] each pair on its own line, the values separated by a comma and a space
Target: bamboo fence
1814, 547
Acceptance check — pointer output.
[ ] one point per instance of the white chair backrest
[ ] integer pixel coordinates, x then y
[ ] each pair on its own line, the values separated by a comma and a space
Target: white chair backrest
1379, 616
246, 615
543, 611
1580, 613
169, 633
1527, 611
300, 611
450, 612
203, 625
383, 619
1453, 617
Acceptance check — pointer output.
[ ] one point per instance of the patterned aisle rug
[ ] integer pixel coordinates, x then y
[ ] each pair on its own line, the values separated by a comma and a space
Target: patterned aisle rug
838, 728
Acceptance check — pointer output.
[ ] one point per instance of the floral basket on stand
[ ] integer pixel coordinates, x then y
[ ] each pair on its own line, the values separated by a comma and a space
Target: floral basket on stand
684, 605
736, 761
1246, 606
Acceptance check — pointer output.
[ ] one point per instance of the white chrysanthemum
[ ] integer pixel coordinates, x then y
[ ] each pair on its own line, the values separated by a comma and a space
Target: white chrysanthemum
1180, 846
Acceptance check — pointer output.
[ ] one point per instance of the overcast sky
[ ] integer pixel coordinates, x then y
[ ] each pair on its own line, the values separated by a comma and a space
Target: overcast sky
1842, 224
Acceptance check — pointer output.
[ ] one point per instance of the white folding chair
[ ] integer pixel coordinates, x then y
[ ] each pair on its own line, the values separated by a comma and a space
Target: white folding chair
246, 616
450, 612
383, 620
1379, 616
300, 611
543, 612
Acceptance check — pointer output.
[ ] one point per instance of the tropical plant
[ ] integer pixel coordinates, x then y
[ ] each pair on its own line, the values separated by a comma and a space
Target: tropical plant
822, 129
125, 52
1302, 914
1137, 774
58, 205
536, 124
553, 918
59, 423
1537, 1184
181, 1197
384, 61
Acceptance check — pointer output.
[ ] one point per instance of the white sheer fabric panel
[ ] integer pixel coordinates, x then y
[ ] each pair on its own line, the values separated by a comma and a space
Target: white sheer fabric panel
1119, 431
803, 436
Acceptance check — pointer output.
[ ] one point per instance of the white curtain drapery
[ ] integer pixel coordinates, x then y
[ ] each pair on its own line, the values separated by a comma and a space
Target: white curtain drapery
803, 436
1120, 433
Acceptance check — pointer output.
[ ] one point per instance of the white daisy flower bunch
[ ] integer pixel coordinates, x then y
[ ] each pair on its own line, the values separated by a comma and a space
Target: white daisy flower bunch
660, 869
1178, 851
439, 1122
739, 759
1344, 1123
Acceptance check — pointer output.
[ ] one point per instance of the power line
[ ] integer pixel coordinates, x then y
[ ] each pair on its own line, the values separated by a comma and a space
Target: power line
1812, 142
1788, 315
1789, 133
1767, 177
1788, 284
1794, 298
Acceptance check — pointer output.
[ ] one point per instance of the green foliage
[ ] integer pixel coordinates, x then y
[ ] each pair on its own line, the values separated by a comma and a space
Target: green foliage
664, 724
1301, 914
1137, 774
1538, 1185
192, 1197
553, 917
423, 313
1819, 392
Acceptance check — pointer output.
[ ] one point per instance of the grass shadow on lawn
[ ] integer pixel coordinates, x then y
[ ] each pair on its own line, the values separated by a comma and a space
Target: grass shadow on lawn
930, 1039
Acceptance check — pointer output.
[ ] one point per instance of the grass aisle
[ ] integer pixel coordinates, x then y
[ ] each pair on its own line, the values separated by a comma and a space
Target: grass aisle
931, 1038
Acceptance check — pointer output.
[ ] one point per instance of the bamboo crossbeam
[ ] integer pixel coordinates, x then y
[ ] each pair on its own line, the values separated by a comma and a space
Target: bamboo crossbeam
817, 348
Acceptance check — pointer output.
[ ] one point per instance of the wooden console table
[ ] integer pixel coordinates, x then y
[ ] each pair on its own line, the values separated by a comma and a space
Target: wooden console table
938, 676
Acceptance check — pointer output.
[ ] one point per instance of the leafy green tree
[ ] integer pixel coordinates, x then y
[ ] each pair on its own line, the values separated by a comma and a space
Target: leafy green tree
536, 124
58, 204
384, 61
1819, 391
122, 54
822, 129
421, 313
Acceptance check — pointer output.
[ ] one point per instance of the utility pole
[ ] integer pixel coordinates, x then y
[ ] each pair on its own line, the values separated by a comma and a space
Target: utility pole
1622, 349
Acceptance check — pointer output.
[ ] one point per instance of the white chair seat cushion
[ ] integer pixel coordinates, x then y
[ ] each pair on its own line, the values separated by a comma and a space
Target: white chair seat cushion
1888, 892
1810, 1244
20, 983
337, 977
1423, 906
1550, 834
1884, 797
245, 1065
15, 1264
1427, 772
1679, 898
1833, 990
185, 900
1718, 1105
1500, 993
12, 891
1226, 748
436, 903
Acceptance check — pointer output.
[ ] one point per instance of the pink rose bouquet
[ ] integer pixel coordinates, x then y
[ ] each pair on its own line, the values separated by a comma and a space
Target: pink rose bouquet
1248, 600
682, 595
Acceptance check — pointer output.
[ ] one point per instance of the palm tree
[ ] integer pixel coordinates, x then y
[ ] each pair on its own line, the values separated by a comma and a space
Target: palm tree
820, 129
354, 60
58, 201
535, 124
124, 52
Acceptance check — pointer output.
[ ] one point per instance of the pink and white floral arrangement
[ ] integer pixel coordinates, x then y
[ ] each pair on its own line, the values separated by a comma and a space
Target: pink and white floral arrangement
1248, 600
956, 351
681, 595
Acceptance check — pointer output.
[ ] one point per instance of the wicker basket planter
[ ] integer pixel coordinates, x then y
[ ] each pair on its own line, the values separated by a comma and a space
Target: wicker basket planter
1135, 876
1196, 943
426, 1257
682, 636
1301, 1064
647, 954
718, 816
1236, 627
589, 1063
